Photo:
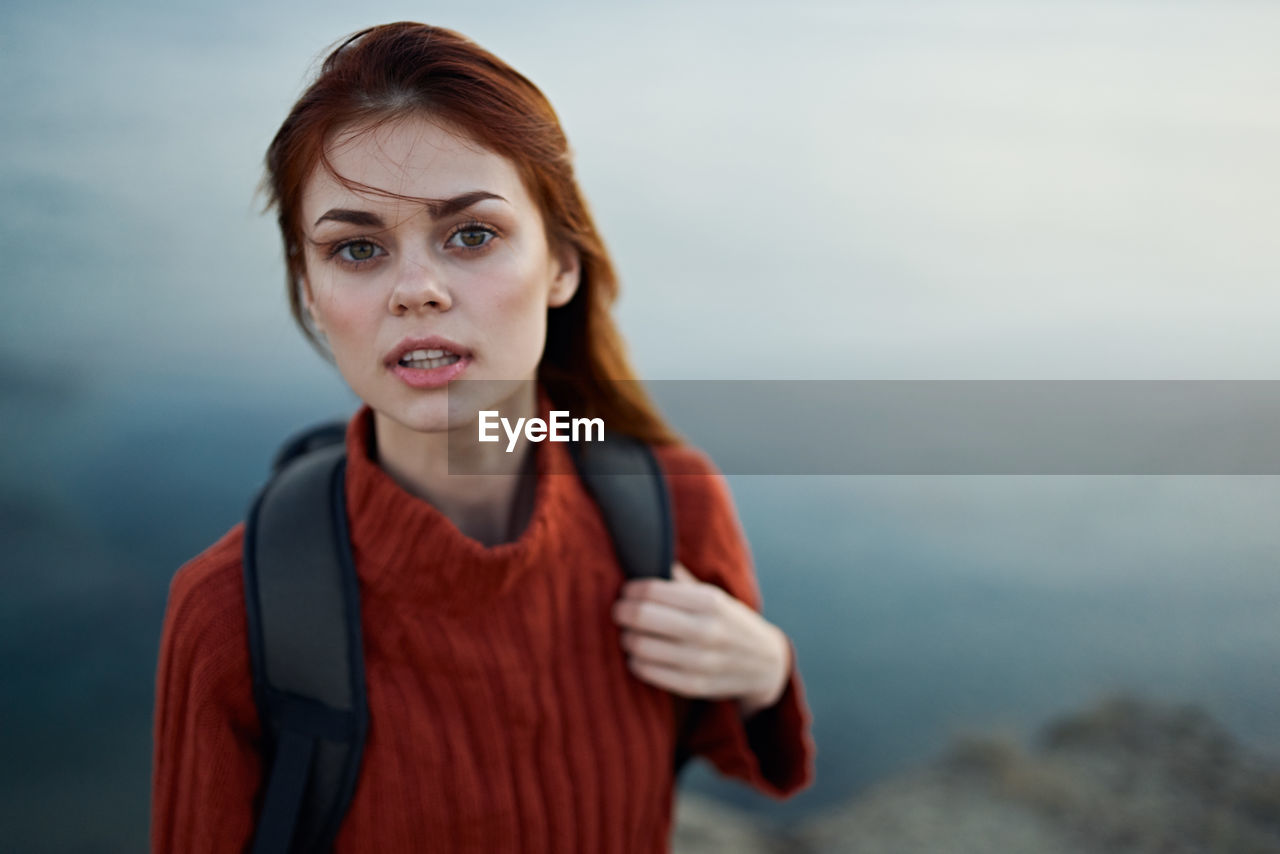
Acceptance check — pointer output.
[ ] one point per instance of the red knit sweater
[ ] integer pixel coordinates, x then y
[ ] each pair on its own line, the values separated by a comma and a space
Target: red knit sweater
503, 716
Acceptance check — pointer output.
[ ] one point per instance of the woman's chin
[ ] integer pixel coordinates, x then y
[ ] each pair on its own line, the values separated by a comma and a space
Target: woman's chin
456, 407
426, 416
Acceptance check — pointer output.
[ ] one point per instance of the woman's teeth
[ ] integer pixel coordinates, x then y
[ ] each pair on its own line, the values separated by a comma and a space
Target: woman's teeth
428, 359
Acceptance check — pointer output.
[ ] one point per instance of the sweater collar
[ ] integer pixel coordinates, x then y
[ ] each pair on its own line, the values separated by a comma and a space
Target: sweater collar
405, 547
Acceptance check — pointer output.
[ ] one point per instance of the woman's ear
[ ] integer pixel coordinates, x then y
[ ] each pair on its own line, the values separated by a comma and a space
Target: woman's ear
565, 283
309, 300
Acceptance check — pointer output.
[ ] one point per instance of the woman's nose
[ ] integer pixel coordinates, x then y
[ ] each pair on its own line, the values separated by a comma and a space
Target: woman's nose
418, 287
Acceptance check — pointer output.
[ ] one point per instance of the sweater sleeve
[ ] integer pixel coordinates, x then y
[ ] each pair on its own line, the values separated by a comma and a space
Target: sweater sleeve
206, 767
773, 749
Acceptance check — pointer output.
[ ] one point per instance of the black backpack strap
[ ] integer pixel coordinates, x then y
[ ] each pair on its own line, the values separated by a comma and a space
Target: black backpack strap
305, 645
311, 439
623, 476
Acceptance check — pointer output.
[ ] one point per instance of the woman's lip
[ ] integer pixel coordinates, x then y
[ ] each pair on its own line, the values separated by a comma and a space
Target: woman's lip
430, 377
431, 342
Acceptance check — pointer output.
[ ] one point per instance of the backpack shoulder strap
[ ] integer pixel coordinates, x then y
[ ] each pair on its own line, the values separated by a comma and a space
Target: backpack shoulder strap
305, 645
623, 476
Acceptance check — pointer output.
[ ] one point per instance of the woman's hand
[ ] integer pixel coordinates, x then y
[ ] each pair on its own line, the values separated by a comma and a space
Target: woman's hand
696, 640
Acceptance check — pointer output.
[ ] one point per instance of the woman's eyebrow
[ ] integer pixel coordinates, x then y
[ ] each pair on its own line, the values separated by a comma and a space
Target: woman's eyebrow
439, 209
351, 217
447, 207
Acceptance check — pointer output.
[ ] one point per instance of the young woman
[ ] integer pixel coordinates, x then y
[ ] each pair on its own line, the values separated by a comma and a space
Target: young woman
523, 696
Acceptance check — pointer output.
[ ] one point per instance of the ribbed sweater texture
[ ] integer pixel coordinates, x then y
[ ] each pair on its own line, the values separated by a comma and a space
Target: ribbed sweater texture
503, 717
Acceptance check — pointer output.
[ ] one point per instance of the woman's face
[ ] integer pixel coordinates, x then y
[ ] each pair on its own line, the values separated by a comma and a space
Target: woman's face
410, 295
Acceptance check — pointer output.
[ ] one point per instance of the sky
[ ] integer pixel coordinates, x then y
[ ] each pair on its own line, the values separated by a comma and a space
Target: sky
1043, 190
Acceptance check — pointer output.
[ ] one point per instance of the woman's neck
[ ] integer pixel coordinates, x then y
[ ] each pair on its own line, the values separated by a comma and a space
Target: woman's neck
493, 507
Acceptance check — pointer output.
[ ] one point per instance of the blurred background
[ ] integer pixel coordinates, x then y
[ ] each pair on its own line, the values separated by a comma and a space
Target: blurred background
1055, 189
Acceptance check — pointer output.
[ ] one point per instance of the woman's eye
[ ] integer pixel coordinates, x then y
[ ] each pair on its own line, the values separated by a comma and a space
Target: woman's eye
358, 250
472, 238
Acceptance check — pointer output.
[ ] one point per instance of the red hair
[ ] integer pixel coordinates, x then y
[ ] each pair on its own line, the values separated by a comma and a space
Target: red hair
395, 70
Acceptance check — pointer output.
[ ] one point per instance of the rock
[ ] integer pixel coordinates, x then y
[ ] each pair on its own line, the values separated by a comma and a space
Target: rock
705, 826
1124, 777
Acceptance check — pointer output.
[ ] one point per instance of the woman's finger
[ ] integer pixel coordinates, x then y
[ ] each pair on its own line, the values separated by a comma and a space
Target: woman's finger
659, 650
677, 681
680, 573
695, 596
657, 618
